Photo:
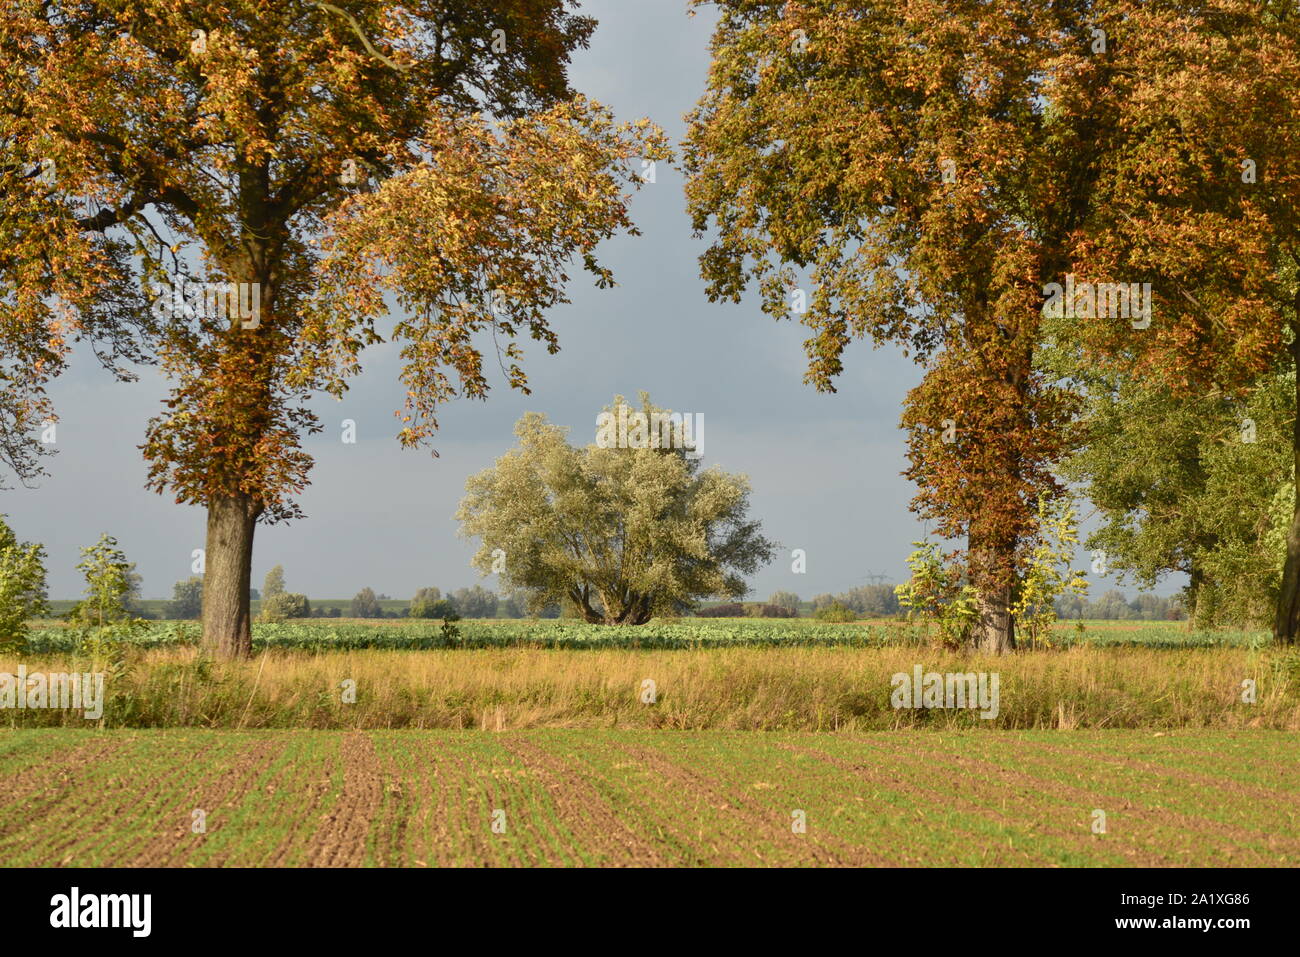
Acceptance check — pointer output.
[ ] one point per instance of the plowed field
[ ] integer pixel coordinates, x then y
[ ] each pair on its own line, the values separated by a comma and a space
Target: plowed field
554, 797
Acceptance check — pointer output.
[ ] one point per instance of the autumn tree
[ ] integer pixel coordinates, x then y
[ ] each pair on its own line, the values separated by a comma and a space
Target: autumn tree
24, 409
235, 191
622, 532
1200, 197
912, 173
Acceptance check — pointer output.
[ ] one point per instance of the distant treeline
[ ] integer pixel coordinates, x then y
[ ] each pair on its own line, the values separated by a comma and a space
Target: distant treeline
865, 601
1114, 605
274, 603
869, 601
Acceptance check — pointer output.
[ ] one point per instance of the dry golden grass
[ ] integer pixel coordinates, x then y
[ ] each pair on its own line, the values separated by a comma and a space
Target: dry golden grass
814, 689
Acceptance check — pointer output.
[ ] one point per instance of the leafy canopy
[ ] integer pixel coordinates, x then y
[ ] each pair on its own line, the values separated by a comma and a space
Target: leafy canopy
334, 156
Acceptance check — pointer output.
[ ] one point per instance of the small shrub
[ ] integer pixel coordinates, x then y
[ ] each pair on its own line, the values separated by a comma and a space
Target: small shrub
22, 587
939, 594
187, 600
285, 605
835, 612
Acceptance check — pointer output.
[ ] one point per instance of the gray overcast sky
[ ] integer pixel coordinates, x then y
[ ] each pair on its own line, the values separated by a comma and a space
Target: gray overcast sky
824, 468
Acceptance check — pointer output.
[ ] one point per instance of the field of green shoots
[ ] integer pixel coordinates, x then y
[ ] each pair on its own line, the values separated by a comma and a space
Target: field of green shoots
648, 798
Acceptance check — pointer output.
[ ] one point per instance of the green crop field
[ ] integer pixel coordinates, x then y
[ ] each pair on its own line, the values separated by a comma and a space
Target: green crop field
352, 634
1127, 744
428, 798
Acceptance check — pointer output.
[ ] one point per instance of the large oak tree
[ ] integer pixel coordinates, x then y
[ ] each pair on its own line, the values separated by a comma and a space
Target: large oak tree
912, 172
328, 157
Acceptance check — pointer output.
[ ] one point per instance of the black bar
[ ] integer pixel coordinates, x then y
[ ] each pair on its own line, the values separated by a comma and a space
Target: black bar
300, 907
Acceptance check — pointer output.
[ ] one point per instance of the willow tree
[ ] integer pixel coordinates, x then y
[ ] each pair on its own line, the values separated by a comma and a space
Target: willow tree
1200, 196
234, 189
912, 173
620, 530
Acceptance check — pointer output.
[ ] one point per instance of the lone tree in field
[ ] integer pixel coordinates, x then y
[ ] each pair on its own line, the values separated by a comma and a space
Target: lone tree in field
235, 189
366, 605
187, 599
273, 583
906, 172
622, 533
111, 585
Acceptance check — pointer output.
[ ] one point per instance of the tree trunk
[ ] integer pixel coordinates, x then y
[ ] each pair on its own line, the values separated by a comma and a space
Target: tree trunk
992, 570
636, 611
1194, 576
581, 599
1286, 624
228, 569
996, 632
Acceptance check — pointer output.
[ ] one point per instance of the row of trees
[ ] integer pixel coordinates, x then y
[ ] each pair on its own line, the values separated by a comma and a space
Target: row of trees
476, 602
747, 610
23, 596
1114, 605
865, 600
926, 171
277, 604
878, 600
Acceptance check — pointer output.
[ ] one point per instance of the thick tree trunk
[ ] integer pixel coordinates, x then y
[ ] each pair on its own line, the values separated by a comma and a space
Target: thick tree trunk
996, 632
228, 568
992, 570
625, 609
1286, 624
581, 599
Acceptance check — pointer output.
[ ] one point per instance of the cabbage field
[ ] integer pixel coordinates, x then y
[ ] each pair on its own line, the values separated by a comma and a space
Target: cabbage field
686, 633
